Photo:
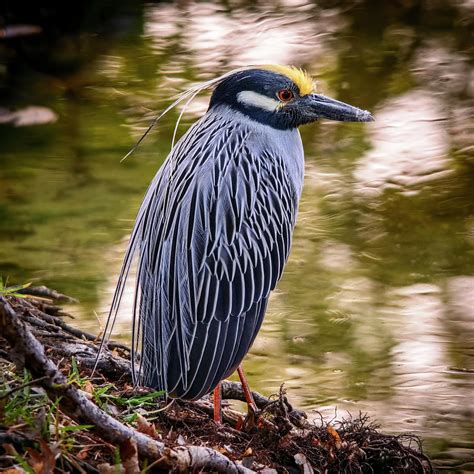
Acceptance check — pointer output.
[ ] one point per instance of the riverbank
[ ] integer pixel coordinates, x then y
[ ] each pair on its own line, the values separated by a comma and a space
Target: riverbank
55, 416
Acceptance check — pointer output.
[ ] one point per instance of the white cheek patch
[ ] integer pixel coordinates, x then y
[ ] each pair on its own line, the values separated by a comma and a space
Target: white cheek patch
258, 100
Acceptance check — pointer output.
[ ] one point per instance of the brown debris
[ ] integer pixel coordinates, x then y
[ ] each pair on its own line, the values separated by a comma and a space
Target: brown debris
180, 436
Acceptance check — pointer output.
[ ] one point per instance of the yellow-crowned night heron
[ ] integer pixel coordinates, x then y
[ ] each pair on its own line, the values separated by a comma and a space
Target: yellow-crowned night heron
214, 230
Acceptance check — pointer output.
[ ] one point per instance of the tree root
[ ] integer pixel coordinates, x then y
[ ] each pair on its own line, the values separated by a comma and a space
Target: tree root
180, 437
44, 292
29, 353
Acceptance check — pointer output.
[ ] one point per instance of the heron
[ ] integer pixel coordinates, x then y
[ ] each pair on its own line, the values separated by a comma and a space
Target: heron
214, 230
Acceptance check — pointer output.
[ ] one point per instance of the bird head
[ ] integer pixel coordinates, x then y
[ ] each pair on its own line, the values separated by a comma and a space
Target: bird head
282, 97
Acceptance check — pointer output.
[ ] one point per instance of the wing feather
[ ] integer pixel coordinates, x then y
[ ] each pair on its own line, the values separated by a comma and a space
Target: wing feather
213, 235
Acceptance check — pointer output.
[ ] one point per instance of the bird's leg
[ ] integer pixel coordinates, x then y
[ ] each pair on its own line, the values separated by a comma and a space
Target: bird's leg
247, 392
218, 404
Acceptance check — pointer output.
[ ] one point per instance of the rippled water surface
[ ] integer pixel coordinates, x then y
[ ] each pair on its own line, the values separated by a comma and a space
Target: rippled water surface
375, 312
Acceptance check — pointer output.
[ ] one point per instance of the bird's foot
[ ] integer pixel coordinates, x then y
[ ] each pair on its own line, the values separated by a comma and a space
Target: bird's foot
253, 420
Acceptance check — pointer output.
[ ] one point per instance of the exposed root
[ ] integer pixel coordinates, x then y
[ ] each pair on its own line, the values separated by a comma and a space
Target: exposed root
130, 429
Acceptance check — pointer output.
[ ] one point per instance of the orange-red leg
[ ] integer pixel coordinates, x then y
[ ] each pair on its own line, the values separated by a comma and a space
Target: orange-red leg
246, 389
218, 404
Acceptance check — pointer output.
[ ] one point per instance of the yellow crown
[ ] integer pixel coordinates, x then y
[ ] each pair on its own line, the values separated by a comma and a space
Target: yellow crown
300, 77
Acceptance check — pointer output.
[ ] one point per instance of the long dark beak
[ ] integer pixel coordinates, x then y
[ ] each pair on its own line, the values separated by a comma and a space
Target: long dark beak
332, 109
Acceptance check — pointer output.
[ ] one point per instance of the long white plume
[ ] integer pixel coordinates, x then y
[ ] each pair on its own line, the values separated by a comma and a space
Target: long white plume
189, 95
186, 96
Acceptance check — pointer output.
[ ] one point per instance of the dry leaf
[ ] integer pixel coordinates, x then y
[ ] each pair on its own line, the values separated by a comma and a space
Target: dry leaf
315, 442
335, 436
9, 449
239, 424
83, 453
43, 462
129, 456
88, 387
145, 427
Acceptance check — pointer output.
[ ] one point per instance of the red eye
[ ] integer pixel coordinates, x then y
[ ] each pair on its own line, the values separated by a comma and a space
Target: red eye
285, 95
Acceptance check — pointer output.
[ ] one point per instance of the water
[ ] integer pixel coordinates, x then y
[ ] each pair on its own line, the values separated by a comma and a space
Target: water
375, 309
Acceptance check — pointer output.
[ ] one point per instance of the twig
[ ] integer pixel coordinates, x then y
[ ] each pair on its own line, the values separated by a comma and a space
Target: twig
228, 415
76, 405
56, 321
70, 345
20, 387
18, 440
44, 292
3, 354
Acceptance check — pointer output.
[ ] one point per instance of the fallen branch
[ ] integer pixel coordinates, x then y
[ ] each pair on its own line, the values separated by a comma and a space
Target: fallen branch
28, 352
71, 342
18, 440
233, 391
180, 436
39, 309
22, 386
45, 292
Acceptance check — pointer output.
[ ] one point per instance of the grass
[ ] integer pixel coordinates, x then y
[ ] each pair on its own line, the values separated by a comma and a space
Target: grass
26, 408
102, 393
29, 410
22, 405
12, 290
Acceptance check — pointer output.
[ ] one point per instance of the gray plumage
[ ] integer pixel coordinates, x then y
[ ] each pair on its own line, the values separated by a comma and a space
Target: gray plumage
212, 235
214, 230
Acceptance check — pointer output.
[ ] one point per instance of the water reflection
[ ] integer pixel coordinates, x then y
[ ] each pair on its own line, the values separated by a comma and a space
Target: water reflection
214, 37
410, 145
375, 310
